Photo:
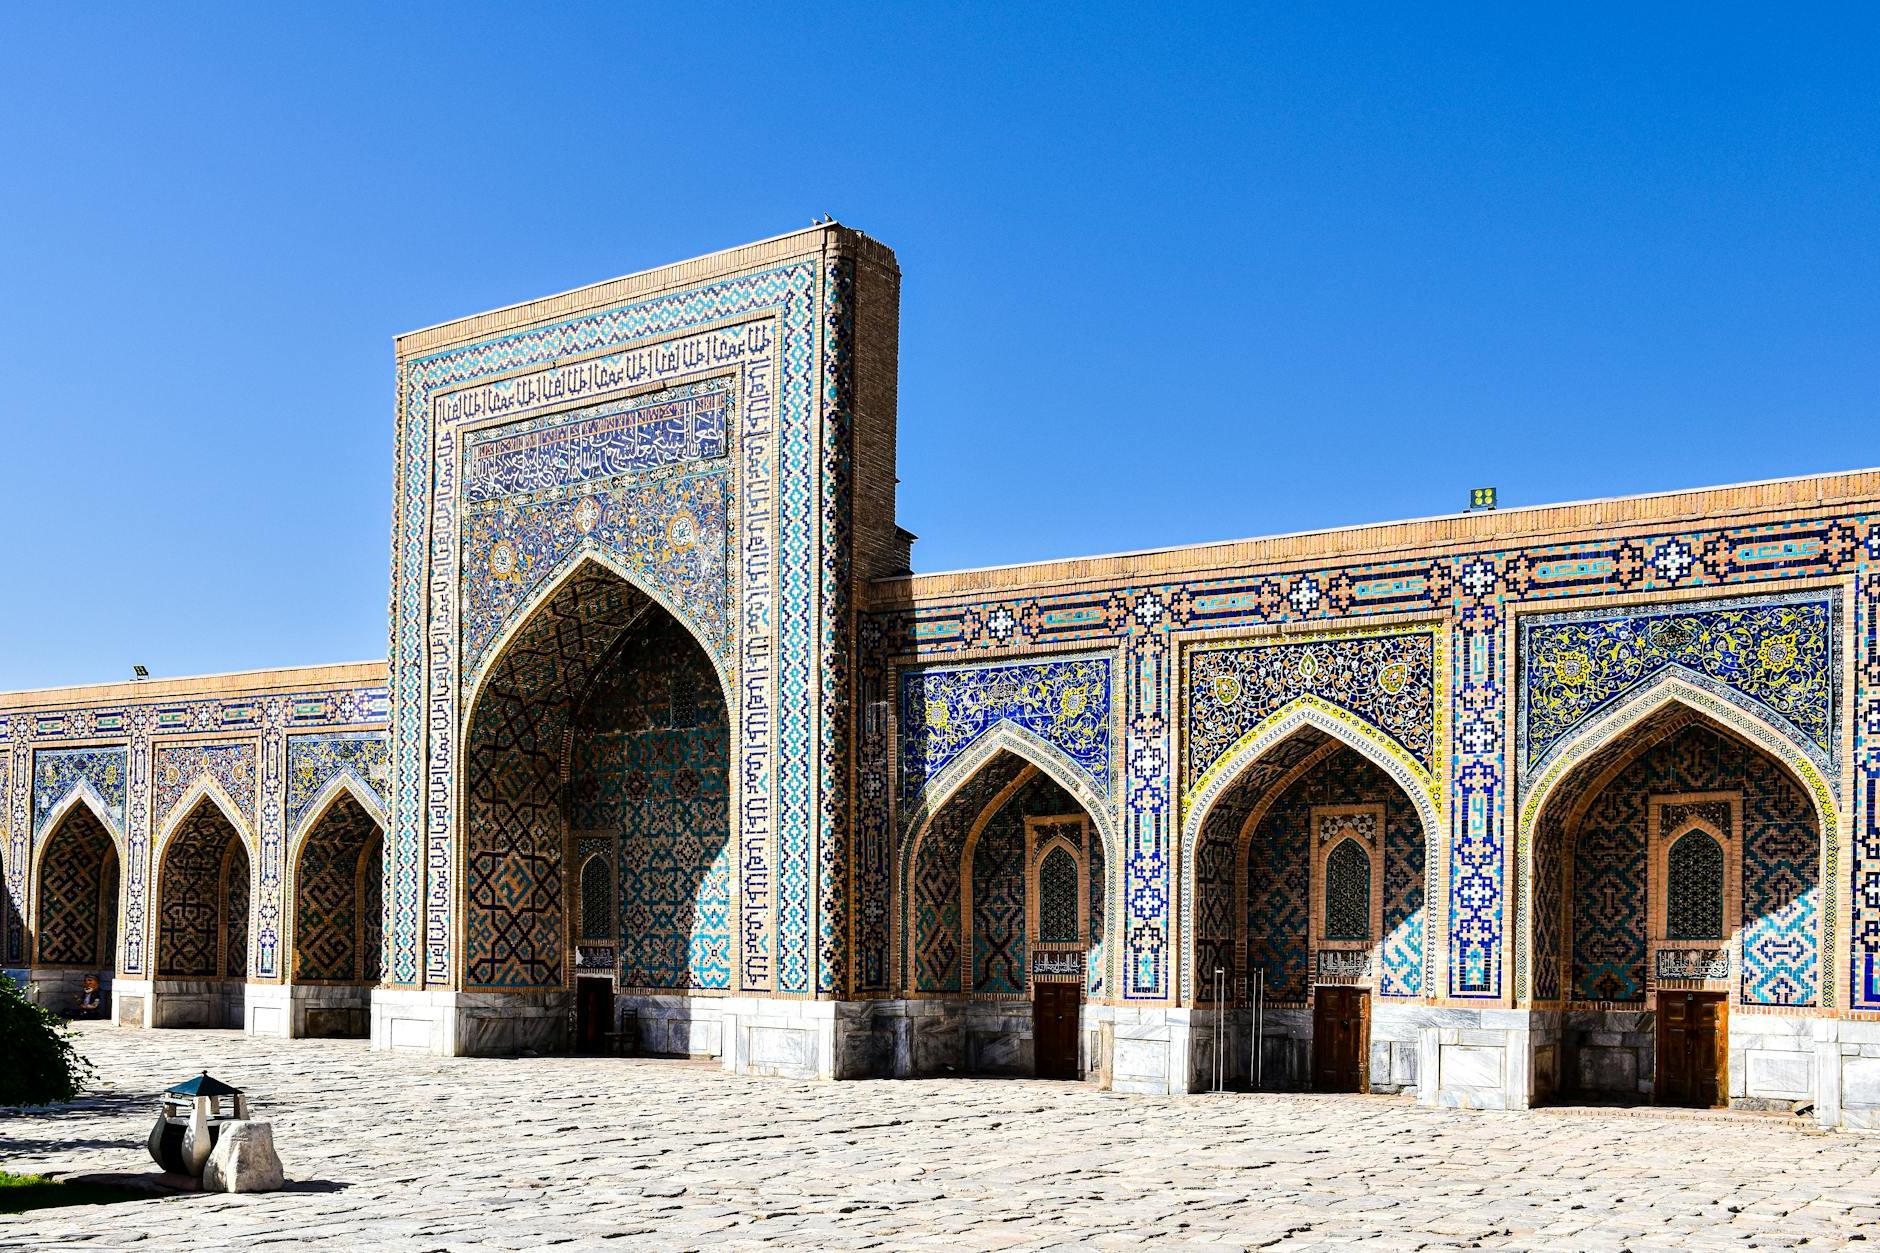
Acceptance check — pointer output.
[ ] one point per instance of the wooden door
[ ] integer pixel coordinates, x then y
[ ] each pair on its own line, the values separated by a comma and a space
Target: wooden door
1055, 1009
593, 1014
1693, 1050
1340, 1036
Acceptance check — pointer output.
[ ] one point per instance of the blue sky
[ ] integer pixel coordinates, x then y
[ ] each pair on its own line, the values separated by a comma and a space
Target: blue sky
1167, 277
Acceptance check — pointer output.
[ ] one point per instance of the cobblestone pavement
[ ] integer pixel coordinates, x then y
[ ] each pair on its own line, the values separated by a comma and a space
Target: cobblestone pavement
592, 1153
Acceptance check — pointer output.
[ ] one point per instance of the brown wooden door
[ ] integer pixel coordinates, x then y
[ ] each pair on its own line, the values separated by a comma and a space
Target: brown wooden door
1693, 1049
593, 1014
1340, 1035
1055, 1009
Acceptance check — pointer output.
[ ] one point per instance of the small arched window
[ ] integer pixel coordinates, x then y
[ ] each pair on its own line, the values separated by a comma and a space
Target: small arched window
1057, 898
1694, 888
1348, 892
597, 899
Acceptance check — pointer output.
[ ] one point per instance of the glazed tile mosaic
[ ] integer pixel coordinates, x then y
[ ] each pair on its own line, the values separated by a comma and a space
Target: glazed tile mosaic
664, 706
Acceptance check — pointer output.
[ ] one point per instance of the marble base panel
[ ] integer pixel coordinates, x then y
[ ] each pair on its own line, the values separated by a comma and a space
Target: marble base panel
797, 1039
1774, 1060
130, 1002
760, 1035
295, 1011
1605, 1054
212, 1003
470, 1024
1484, 1058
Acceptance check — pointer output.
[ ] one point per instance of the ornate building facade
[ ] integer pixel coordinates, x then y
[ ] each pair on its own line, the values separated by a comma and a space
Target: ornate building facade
673, 753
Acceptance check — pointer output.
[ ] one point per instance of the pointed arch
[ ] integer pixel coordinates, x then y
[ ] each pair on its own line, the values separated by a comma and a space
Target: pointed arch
513, 871
1028, 746
81, 794
203, 788
1039, 755
82, 800
344, 783
206, 794
1341, 729
346, 786
564, 573
1662, 700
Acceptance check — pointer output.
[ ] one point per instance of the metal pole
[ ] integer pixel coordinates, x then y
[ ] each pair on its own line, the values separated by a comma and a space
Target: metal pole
1220, 1028
1259, 1029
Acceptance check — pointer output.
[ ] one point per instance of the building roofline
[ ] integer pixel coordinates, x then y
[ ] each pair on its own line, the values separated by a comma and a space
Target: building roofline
1413, 532
266, 678
602, 292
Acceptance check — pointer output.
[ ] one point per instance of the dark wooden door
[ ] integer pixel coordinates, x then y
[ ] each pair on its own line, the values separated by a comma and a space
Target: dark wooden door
1340, 1035
1693, 1049
593, 1014
1055, 1009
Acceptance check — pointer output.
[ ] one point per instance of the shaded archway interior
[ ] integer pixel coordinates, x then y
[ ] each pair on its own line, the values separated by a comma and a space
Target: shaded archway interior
1309, 874
205, 888
77, 914
1006, 921
338, 916
599, 752
1679, 857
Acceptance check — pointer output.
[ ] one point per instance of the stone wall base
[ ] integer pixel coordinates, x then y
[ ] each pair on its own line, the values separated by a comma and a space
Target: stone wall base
753, 1035
1285, 1064
294, 1010
211, 1003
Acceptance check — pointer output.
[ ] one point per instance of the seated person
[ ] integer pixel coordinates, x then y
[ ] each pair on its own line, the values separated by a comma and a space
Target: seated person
89, 1001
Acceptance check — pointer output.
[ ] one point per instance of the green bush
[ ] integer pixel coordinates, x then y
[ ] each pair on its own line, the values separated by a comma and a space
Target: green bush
41, 1064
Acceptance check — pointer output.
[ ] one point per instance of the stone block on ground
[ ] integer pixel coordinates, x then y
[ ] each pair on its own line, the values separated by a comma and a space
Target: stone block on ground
244, 1159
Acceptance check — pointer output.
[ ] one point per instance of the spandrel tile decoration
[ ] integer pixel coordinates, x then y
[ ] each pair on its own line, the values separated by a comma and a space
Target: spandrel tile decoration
671, 749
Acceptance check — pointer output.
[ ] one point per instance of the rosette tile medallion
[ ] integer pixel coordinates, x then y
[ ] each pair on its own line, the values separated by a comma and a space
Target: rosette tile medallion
672, 747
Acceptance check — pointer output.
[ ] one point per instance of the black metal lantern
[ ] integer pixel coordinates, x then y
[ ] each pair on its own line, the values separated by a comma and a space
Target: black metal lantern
189, 1121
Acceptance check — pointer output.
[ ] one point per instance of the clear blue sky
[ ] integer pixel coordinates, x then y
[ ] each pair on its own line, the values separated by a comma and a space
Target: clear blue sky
1168, 278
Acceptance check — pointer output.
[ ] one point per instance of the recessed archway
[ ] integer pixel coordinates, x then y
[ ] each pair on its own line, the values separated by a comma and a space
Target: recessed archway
1004, 905
1680, 860
600, 730
205, 892
76, 912
337, 918
1310, 869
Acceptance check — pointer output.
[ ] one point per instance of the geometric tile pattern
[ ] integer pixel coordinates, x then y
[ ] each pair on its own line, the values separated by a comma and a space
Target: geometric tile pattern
1279, 869
1476, 589
1348, 892
1610, 897
1694, 888
1057, 898
1217, 852
513, 834
760, 338
335, 884
933, 877
998, 889
76, 923
1093, 845
202, 917
124, 782
650, 764
1608, 907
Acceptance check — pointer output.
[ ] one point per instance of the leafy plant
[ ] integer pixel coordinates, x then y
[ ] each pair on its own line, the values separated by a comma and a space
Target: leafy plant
42, 1064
